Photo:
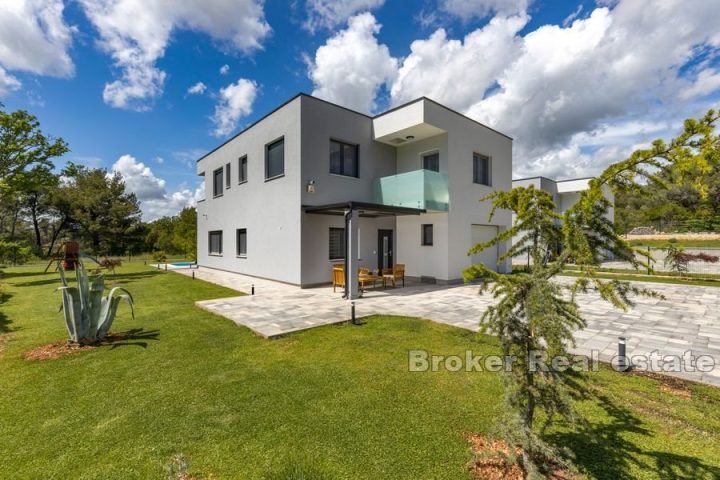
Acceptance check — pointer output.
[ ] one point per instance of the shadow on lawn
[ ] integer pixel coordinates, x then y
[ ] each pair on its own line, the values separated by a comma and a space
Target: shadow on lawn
135, 337
5, 322
602, 450
111, 278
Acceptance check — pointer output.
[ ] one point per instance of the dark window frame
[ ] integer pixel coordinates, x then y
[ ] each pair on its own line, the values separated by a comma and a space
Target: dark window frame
476, 171
242, 162
341, 232
424, 241
228, 176
238, 251
210, 235
423, 156
268, 146
218, 192
344, 144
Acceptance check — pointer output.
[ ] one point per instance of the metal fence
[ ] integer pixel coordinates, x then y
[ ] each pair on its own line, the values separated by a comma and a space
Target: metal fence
657, 263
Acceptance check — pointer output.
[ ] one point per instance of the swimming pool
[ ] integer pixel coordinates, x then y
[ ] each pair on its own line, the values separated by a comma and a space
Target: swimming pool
182, 264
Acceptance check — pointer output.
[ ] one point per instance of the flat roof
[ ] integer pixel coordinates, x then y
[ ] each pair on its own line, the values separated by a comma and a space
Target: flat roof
366, 209
303, 94
546, 178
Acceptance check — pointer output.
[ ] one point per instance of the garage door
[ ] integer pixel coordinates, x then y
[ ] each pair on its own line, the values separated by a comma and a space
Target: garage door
481, 234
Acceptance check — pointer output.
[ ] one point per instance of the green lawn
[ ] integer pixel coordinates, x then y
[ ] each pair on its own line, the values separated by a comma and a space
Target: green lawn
684, 243
660, 277
333, 402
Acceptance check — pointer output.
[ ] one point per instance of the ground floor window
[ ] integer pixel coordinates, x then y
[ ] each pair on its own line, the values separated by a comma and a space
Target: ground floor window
337, 243
427, 234
242, 242
215, 242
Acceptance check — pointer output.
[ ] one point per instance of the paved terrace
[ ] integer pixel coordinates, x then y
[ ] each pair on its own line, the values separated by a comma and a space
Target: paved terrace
687, 319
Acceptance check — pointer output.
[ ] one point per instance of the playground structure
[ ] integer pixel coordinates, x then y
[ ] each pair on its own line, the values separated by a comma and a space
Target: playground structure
69, 256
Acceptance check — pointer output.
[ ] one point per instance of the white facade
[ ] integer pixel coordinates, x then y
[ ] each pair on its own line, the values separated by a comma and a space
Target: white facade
565, 192
287, 219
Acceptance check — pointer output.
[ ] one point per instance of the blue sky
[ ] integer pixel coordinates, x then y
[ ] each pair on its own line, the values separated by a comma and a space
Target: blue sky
578, 85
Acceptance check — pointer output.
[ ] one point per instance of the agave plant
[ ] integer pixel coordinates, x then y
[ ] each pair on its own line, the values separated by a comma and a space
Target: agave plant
89, 315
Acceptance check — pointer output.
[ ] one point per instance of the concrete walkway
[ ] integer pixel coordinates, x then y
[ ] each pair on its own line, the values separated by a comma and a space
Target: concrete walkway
688, 319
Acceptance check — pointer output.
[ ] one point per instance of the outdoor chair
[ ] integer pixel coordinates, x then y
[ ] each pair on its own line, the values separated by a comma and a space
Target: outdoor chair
394, 274
338, 277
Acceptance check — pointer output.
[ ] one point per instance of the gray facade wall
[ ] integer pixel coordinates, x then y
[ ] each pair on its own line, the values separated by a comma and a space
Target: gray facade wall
269, 210
322, 122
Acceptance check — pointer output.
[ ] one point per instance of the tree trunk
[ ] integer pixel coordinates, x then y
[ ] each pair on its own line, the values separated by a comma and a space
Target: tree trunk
16, 213
529, 414
55, 235
36, 222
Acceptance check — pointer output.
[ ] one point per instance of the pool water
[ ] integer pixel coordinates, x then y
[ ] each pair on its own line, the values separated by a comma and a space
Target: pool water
182, 264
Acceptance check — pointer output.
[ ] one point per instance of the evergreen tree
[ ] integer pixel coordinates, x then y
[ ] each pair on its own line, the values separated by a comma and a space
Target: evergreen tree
536, 317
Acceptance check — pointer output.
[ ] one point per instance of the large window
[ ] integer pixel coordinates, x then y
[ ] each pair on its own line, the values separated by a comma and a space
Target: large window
218, 182
215, 242
431, 161
242, 242
227, 175
427, 235
337, 243
275, 159
242, 169
481, 169
343, 158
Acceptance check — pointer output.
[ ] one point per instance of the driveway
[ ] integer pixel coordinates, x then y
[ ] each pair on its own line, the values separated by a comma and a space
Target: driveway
688, 319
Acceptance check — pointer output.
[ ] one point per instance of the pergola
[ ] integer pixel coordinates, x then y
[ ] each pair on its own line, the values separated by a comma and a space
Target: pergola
352, 211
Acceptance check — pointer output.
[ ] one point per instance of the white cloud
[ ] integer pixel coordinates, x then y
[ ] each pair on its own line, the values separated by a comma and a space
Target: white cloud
225, 69
478, 60
331, 13
8, 83
235, 102
136, 33
577, 97
197, 89
155, 201
139, 179
707, 82
469, 9
34, 38
352, 66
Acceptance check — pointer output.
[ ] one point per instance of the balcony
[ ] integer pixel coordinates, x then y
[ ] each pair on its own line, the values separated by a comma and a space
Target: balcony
417, 189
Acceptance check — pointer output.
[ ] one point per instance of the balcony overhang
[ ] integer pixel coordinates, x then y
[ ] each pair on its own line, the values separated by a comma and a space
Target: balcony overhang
405, 124
364, 209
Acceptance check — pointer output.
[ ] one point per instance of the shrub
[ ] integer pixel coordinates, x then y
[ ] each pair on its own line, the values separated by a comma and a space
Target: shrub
159, 257
110, 264
14, 252
89, 315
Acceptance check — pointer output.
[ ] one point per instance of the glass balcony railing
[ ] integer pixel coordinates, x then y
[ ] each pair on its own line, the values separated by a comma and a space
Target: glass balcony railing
417, 189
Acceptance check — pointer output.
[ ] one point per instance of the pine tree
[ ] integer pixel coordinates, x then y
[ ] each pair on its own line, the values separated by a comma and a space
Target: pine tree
536, 316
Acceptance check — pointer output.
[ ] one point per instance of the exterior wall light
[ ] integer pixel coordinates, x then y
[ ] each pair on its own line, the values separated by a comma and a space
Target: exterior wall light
311, 186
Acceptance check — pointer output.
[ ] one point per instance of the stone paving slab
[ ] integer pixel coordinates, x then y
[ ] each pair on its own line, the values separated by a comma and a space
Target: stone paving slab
688, 318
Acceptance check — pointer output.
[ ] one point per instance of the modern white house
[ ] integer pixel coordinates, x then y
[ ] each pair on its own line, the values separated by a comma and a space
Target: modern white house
565, 193
313, 184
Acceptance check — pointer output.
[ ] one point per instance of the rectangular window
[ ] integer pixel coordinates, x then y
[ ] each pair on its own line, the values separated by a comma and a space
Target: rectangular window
481, 169
242, 242
218, 182
337, 243
227, 175
215, 242
275, 159
242, 169
343, 159
431, 161
427, 234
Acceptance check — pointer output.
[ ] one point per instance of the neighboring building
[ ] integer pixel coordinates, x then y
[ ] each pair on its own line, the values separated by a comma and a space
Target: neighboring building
288, 196
565, 193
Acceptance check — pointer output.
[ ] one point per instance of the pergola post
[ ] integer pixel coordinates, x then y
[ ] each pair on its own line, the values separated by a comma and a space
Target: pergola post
352, 252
